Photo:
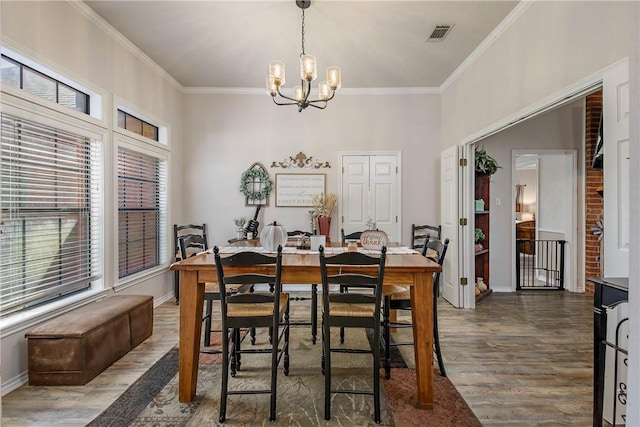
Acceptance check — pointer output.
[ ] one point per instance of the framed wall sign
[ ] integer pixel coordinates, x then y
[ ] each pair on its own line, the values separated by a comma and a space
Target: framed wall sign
298, 189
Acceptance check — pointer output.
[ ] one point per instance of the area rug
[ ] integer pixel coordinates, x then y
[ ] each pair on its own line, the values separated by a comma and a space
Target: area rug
153, 399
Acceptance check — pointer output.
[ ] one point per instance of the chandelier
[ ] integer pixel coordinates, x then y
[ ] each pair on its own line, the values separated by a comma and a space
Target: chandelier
308, 73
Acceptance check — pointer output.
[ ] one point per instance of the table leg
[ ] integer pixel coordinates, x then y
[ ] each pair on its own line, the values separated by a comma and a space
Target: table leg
422, 318
191, 303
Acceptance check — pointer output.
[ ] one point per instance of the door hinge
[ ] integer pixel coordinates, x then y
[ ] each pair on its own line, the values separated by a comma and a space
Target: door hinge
463, 162
463, 221
463, 281
396, 170
396, 219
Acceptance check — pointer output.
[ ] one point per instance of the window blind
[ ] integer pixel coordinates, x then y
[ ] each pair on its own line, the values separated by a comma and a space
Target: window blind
141, 211
51, 211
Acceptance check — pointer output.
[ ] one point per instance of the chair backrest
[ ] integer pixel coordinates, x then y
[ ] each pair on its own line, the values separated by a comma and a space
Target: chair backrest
186, 230
298, 233
352, 236
420, 232
352, 279
191, 244
253, 263
440, 248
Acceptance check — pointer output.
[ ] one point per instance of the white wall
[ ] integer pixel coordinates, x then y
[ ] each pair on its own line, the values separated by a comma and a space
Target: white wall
64, 38
225, 134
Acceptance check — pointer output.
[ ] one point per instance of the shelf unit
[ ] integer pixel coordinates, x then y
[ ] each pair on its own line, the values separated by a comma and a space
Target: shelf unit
482, 222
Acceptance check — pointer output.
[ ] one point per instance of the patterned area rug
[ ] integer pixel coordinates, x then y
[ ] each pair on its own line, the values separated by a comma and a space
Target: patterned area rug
153, 399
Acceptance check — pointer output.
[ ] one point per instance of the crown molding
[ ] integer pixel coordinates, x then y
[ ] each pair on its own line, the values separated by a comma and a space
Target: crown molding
92, 16
503, 26
342, 91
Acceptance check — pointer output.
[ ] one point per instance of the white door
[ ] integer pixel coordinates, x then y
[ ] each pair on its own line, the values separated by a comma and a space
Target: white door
615, 107
370, 191
450, 194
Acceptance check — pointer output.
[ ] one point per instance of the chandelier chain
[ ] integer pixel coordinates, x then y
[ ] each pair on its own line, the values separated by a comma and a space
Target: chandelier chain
302, 33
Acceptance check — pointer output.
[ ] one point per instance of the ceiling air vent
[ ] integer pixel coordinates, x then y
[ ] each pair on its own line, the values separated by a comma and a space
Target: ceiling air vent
439, 33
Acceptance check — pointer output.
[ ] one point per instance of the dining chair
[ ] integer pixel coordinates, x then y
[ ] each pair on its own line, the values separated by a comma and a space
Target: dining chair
251, 310
183, 231
399, 298
419, 232
191, 245
357, 309
314, 296
351, 236
343, 289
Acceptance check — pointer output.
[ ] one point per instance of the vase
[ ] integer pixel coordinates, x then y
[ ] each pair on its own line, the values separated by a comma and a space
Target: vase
324, 226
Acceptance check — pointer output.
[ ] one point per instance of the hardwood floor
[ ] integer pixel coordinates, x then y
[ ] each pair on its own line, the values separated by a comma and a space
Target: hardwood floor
519, 359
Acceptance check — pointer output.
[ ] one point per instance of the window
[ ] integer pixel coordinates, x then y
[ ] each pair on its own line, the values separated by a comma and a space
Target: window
32, 81
51, 211
137, 125
141, 210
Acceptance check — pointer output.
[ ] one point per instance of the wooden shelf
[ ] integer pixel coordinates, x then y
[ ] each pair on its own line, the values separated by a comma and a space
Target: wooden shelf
483, 295
482, 220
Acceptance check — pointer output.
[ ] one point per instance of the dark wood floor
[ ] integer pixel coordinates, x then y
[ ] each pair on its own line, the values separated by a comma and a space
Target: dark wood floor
519, 359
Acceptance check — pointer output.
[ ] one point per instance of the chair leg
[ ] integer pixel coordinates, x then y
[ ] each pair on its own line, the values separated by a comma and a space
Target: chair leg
436, 338
323, 339
176, 286
225, 376
326, 346
286, 341
207, 323
314, 313
387, 337
376, 374
274, 374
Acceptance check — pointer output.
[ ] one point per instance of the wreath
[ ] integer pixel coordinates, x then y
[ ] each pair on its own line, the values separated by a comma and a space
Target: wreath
251, 177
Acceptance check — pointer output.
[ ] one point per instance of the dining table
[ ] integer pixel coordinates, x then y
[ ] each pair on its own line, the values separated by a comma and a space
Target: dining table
403, 266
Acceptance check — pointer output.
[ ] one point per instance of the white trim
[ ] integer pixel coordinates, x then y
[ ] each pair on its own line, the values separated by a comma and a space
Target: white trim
117, 36
138, 278
342, 91
503, 26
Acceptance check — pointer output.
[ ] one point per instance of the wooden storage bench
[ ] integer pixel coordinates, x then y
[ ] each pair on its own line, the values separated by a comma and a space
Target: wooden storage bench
74, 348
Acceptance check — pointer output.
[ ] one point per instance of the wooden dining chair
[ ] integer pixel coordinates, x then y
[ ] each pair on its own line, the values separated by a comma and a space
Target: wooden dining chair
419, 232
399, 298
191, 245
314, 296
251, 310
358, 309
184, 231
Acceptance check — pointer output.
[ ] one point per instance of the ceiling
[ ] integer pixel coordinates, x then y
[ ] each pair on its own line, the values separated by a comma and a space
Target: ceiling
378, 44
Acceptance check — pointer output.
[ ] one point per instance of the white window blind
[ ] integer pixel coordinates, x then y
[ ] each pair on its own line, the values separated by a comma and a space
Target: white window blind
141, 210
51, 211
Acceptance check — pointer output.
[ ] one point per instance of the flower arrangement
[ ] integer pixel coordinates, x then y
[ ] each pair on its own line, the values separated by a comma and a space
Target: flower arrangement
324, 204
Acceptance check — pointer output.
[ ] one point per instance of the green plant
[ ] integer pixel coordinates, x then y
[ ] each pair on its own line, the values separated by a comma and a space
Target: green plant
485, 164
239, 222
478, 235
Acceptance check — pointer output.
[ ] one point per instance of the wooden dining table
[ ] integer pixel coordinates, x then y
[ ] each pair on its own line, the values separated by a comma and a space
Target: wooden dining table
303, 267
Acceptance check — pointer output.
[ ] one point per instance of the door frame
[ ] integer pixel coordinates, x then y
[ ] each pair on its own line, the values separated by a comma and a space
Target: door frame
398, 155
562, 97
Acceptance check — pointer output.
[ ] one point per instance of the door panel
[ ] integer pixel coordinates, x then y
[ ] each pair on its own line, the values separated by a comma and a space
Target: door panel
615, 97
450, 192
370, 191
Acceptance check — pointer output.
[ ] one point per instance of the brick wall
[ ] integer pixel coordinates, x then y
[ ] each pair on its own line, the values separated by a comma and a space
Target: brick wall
594, 202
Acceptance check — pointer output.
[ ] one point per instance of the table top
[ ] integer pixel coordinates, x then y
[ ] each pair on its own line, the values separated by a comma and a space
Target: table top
397, 258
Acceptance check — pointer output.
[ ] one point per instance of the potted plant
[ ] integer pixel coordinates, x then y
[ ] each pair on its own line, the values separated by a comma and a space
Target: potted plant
240, 222
478, 236
485, 164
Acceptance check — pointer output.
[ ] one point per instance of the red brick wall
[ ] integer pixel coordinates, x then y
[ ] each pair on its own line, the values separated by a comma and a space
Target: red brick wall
594, 202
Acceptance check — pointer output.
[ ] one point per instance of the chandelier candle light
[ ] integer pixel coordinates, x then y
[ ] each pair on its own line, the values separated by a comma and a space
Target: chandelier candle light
308, 73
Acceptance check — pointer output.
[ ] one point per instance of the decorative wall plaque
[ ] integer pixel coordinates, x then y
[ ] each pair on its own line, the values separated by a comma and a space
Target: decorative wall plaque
302, 161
